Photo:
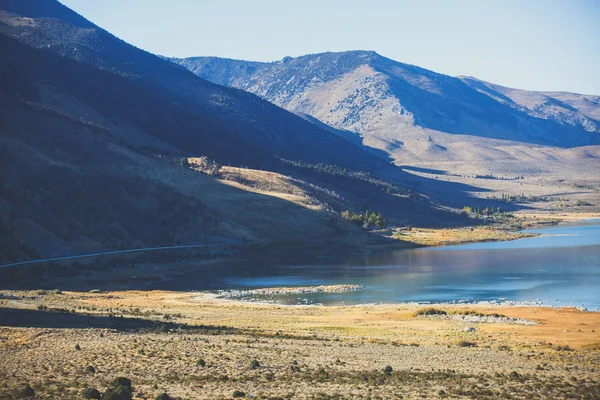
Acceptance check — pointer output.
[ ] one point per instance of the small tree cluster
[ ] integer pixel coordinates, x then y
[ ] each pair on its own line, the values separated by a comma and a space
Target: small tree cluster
366, 220
483, 211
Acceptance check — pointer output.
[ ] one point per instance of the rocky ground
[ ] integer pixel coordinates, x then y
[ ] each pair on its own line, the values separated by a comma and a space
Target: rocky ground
197, 346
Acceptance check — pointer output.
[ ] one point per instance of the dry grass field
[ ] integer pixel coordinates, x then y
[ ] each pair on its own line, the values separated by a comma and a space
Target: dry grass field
446, 237
197, 346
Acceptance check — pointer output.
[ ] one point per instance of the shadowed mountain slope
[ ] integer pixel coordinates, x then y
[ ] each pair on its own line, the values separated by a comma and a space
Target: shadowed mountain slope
233, 116
95, 136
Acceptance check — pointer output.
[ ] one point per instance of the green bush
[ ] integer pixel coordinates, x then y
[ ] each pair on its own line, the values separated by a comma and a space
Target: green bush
90, 369
464, 343
201, 363
237, 394
254, 364
388, 370
163, 396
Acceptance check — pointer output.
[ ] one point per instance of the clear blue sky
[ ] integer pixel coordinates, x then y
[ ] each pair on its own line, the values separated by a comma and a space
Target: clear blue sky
528, 44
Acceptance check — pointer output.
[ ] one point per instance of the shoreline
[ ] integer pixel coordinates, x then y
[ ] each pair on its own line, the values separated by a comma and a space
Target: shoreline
239, 298
148, 274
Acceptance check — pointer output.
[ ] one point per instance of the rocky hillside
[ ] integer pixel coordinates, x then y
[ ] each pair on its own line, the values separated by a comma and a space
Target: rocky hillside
407, 111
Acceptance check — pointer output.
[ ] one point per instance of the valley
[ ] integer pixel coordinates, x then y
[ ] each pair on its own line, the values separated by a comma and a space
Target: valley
331, 226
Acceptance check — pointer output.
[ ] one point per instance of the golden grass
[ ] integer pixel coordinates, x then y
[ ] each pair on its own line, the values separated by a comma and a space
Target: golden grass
445, 237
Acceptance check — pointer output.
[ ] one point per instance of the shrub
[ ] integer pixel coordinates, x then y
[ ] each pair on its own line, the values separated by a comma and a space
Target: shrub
118, 393
111, 394
27, 391
566, 347
430, 311
388, 370
464, 343
77, 347
90, 369
201, 363
91, 393
121, 390
163, 396
254, 364
238, 394
122, 381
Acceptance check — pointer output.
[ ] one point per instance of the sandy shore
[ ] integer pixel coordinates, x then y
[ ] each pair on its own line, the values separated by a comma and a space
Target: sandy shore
157, 338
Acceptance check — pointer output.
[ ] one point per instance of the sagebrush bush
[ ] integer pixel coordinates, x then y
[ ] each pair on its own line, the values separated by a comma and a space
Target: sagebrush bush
120, 390
430, 311
27, 391
91, 393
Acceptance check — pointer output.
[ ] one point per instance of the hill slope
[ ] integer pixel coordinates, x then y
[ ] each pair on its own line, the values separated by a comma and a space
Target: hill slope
95, 134
248, 124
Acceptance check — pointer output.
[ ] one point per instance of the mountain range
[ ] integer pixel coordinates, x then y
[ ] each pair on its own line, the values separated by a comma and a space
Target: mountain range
409, 112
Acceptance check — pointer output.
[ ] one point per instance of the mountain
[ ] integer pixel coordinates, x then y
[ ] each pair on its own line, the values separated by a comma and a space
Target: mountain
409, 112
96, 137
246, 123
565, 108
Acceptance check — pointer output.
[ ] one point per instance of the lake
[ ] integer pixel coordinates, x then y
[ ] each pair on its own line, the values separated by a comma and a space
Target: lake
560, 267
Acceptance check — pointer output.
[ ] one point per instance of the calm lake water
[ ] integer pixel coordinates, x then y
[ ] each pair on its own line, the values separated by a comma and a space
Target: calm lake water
561, 267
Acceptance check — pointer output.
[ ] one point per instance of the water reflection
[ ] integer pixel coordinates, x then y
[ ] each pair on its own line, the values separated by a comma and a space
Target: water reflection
562, 268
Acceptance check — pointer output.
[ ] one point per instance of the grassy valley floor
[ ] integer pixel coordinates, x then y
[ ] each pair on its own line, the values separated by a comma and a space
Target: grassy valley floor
197, 346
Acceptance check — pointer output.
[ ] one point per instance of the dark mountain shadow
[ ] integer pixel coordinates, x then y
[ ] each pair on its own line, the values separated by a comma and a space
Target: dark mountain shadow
173, 128
481, 86
64, 319
241, 118
462, 110
454, 194
353, 138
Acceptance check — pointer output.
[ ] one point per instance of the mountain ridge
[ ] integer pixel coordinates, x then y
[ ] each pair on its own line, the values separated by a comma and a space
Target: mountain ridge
414, 96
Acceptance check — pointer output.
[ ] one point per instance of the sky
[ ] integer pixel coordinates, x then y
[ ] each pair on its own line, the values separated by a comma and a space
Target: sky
527, 44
